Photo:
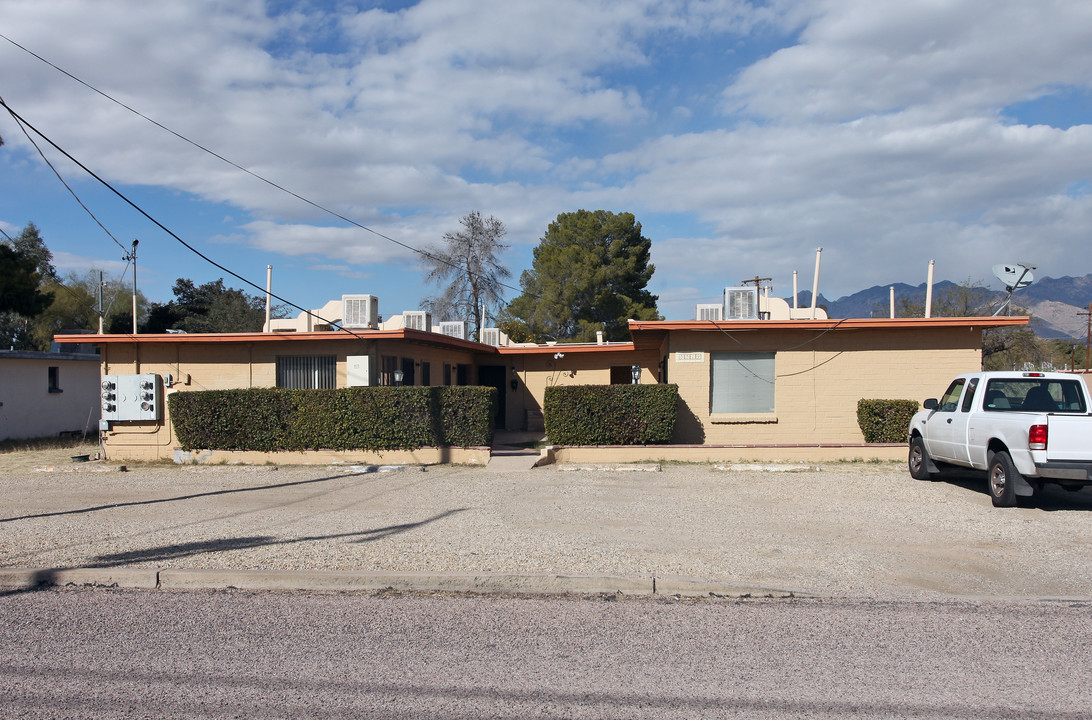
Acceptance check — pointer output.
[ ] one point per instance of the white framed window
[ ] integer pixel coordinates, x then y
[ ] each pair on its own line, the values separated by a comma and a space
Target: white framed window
742, 383
307, 372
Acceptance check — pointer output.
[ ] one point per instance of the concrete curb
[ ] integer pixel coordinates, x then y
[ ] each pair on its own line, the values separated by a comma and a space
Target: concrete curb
360, 581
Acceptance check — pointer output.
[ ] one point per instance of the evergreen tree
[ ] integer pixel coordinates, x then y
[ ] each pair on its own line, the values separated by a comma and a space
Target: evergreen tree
590, 273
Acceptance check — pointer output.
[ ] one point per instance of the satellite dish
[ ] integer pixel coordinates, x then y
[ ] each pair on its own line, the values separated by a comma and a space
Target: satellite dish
1014, 276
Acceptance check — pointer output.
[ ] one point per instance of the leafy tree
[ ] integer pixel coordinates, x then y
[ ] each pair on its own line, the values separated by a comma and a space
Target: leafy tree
467, 262
206, 308
589, 273
24, 263
75, 306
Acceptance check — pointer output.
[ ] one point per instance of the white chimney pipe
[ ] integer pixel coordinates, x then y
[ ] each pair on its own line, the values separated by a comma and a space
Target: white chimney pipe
892, 288
795, 293
815, 282
929, 291
268, 292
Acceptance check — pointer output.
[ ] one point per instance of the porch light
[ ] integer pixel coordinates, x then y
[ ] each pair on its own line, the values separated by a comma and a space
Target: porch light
635, 371
398, 375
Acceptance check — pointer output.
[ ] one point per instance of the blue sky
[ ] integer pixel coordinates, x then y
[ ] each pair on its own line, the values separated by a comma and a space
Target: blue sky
742, 135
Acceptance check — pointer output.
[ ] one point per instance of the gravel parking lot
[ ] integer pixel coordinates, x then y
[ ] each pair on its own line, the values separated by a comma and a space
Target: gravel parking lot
850, 530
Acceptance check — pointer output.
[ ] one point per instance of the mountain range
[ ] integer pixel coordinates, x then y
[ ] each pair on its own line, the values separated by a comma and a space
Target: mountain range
1058, 306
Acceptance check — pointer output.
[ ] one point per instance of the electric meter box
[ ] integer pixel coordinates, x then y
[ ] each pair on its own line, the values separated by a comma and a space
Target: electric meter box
132, 397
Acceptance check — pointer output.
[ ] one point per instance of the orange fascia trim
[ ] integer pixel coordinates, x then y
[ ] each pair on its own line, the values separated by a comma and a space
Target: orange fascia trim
829, 324
560, 347
329, 336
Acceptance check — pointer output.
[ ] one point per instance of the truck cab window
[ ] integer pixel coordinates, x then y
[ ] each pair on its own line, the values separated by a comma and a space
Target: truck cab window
950, 401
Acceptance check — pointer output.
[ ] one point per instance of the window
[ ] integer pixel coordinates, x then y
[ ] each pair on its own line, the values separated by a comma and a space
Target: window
969, 397
1034, 395
462, 374
621, 375
950, 400
307, 372
447, 373
54, 379
387, 364
742, 383
426, 374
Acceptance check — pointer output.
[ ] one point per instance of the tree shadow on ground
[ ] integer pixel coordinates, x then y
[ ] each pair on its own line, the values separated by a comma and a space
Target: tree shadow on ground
193, 496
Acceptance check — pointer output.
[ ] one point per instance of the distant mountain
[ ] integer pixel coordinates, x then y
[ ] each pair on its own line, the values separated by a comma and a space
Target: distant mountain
1058, 305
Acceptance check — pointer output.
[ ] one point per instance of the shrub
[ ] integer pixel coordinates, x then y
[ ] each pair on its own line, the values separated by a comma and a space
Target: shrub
374, 418
885, 421
611, 414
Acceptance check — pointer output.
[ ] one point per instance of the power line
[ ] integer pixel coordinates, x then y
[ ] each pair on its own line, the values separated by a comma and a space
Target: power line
18, 118
253, 174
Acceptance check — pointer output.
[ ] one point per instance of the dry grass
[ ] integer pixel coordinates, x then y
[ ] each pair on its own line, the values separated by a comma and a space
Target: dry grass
27, 454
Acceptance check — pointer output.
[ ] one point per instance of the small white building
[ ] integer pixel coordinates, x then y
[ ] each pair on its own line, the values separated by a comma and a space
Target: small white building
45, 394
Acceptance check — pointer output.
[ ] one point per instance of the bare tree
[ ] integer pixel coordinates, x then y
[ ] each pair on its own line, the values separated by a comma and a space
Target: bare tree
468, 271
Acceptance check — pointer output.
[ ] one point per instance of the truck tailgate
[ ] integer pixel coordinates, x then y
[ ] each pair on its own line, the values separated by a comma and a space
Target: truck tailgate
1069, 437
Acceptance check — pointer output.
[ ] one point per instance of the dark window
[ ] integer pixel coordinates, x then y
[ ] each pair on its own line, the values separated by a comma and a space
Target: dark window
307, 372
621, 375
387, 364
447, 373
426, 374
408, 376
54, 379
462, 374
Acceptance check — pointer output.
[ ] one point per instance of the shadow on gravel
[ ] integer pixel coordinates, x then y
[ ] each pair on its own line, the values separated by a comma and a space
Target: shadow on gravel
1051, 498
181, 550
213, 493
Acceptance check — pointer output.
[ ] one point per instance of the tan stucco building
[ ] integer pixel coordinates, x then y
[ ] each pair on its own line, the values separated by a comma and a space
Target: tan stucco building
748, 389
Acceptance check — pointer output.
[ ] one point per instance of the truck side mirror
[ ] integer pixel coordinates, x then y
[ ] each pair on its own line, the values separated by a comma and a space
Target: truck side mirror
930, 404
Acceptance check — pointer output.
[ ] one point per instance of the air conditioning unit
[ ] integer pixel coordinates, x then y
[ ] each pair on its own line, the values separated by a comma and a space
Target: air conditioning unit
360, 311
418, 320
712, 311
741, 303
492, 336
456, 329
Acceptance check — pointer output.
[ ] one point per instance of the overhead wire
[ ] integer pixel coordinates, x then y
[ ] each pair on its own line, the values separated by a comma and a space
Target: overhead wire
246, 170
160, 225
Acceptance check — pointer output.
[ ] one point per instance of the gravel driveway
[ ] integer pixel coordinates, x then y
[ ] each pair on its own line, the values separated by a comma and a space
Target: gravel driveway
851, 530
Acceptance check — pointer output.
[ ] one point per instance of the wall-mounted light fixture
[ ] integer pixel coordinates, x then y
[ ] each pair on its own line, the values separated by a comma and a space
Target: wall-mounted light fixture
635, 372
398, 375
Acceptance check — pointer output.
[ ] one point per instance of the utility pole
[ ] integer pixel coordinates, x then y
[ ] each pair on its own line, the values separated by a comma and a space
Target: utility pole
1087, 337
132, 258
101, 311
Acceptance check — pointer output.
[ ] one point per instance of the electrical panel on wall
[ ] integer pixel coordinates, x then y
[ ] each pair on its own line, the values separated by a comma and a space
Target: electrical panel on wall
132, 397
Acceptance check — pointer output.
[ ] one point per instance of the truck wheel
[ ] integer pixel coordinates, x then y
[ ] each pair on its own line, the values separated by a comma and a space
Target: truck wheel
1002, 477
918, 460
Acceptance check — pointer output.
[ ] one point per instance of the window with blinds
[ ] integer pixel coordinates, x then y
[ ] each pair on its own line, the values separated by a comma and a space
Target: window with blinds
742, 383
307, 372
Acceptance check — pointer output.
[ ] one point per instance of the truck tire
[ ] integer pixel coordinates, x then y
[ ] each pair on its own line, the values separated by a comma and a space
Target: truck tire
1002, 477
918, 459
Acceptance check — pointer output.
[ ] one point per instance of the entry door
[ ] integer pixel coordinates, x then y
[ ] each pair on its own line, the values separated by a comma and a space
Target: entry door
494, 376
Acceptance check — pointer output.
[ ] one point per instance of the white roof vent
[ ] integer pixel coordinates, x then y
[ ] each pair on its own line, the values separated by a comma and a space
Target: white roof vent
741, 303
456, 329
360, 311
418, 320
712, 311
494, 337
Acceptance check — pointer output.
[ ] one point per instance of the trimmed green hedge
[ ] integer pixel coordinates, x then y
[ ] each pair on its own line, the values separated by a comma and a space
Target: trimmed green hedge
611, 414
371, 418
885, 421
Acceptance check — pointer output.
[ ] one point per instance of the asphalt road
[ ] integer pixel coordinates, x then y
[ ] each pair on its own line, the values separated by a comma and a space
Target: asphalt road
131, 654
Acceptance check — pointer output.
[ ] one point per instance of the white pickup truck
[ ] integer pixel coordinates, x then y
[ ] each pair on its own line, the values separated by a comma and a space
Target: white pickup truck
1023, 428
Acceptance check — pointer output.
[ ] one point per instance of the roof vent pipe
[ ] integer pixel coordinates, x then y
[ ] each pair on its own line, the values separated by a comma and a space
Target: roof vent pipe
598, 337
268, 291
929, 291
892, 289
795, 293
815, 282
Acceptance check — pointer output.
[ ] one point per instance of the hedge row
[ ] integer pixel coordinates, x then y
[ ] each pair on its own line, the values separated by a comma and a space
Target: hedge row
371, 418
885, 421
611, 414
